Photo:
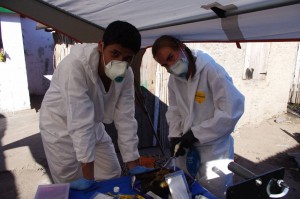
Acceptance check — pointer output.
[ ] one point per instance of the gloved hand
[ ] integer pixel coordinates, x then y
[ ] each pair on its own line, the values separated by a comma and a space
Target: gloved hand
139, 169
81, 184
186, 141
173, 142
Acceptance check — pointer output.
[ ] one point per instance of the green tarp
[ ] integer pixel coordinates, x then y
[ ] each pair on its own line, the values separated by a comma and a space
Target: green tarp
5, 10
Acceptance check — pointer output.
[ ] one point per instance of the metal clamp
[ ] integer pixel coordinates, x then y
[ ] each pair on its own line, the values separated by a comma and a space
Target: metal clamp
280, 183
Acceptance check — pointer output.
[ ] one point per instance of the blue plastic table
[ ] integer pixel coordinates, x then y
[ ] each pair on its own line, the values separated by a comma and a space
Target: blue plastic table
124, 184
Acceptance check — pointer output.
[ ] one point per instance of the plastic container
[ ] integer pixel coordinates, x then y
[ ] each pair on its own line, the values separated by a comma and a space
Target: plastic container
193, 161
51, 191
116, 192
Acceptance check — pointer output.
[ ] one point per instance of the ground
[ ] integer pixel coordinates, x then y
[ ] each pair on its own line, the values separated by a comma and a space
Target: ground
261, 148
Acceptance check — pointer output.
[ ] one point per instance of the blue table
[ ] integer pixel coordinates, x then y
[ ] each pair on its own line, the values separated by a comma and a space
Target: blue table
124, 184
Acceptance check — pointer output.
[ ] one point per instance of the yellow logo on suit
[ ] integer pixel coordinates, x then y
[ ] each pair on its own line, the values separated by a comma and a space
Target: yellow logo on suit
200, 97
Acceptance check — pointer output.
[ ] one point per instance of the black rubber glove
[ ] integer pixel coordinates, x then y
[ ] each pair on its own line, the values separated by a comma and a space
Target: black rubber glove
173, 142
186, 141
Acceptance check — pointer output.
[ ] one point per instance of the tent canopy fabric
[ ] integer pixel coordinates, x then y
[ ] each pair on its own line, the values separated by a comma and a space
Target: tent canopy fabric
189, 20
194, 20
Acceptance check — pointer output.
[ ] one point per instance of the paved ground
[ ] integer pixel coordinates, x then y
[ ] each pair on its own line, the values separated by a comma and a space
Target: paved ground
260, 149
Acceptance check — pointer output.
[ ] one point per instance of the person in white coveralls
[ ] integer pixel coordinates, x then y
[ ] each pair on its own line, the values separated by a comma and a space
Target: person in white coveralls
92, 85
204, 107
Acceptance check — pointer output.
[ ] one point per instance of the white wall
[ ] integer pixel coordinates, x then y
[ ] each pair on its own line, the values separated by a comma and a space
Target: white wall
14, 94
264, 98
38, 49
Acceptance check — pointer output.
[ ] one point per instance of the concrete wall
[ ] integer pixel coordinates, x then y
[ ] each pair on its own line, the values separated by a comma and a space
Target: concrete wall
264, 98
29, 58
38, 49
14, 94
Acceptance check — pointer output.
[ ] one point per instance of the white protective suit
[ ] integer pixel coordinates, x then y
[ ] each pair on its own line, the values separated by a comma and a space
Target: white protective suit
209, 105
73, 112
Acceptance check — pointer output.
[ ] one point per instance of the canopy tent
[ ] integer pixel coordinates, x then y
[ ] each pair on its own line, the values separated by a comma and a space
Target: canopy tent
189, 20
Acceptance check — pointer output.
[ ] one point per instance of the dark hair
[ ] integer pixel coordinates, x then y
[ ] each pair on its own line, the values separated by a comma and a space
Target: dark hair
174, 43
123, 33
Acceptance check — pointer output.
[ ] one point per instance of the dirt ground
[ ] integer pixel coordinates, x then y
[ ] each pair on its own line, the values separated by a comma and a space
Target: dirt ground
260, 149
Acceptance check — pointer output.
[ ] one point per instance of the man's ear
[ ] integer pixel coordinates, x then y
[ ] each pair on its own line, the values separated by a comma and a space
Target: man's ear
100, 46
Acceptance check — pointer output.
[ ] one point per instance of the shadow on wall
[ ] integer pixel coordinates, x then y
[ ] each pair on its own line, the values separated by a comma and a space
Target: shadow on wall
7, 179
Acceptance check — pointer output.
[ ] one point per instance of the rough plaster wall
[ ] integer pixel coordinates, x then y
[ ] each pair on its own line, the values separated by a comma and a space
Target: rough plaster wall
14, 93
38, 49
263, 98
148, 71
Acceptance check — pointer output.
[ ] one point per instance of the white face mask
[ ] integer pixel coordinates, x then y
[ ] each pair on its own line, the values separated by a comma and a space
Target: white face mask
115, 69
180, 68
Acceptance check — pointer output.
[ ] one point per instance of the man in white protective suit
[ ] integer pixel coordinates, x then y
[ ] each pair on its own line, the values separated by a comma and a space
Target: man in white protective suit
92, 85
204, 107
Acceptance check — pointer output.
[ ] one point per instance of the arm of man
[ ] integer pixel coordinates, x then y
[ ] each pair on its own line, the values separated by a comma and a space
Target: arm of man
126, 123
173, 117
126, 126
80, 115
228, 103
88, 170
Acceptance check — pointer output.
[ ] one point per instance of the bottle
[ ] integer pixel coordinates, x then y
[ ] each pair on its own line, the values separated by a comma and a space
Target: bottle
193, 161
116, 192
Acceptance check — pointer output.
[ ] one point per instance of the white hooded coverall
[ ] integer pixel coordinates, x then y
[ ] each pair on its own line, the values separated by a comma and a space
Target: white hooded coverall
209, 105
73, 112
